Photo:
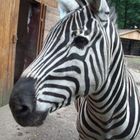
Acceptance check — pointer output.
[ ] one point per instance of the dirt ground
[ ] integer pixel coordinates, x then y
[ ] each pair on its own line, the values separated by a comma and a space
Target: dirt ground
133, 62
59, 125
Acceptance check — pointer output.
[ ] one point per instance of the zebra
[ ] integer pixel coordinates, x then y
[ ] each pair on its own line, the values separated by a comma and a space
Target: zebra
83, 61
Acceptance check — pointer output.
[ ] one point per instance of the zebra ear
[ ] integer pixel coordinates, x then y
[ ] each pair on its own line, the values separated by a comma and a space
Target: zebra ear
66, 6
94, 5
100, 7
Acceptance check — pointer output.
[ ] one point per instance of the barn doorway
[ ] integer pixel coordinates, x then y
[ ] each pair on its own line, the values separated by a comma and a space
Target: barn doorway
30, 34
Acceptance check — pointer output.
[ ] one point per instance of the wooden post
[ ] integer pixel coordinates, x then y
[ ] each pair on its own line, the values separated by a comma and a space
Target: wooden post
41, 28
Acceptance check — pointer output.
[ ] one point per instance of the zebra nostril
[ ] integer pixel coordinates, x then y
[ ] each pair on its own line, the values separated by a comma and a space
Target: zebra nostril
22, 109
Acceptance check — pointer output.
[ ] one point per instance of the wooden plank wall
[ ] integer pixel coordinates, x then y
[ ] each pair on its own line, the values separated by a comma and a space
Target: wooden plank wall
52, 17
8, 28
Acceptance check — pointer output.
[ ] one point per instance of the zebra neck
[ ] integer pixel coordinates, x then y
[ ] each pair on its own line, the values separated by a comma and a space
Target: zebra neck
113, 88
115, 96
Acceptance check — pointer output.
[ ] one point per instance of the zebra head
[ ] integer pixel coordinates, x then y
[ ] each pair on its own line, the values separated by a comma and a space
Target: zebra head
73, 62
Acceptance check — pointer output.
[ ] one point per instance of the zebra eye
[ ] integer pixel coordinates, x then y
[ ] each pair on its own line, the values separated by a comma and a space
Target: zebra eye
80, 42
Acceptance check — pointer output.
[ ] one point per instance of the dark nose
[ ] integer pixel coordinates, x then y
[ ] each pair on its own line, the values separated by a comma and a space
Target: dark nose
22, 100
21, 107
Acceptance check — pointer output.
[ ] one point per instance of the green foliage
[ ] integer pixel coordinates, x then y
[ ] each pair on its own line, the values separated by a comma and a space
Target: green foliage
128, 12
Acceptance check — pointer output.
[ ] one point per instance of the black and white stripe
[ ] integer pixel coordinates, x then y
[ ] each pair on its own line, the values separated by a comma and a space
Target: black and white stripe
95, 75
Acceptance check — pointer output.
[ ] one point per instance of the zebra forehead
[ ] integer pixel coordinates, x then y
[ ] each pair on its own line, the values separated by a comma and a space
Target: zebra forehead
76, 20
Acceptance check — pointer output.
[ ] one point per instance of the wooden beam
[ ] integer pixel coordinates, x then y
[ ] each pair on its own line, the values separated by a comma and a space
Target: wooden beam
41, 28
51, 3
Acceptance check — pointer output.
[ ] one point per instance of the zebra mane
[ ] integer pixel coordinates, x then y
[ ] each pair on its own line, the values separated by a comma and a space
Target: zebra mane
113, 15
